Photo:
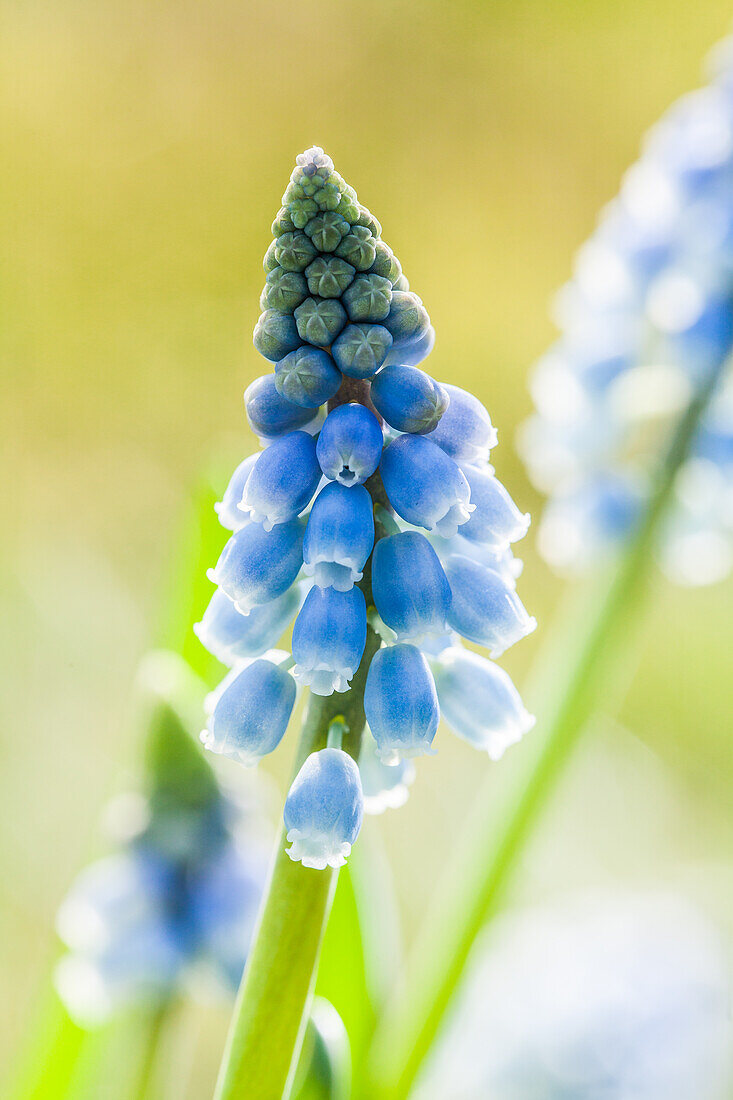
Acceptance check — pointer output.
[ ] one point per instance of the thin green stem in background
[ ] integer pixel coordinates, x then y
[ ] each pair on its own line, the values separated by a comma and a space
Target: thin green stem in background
143, 1088
274, 999
500, 828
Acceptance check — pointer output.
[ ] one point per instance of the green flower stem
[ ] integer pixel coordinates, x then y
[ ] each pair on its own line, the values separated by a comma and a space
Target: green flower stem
155, 1024
271, 1012
500, 827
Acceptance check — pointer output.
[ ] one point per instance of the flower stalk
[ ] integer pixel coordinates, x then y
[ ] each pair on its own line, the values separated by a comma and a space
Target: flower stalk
273, 1004
497, 833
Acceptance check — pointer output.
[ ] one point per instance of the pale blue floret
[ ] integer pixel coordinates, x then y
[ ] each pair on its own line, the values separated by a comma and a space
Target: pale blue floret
410, 589
385, 786
465, 431
413, 352
483, 608
408, 398
479, 701
424, 485
350, 444
232, 636
283, 480
401, 703
496, 519
339, 536
269, 413
329, 636
227, 509
324, 810
500, 559
249, 712
257, 566
307, 377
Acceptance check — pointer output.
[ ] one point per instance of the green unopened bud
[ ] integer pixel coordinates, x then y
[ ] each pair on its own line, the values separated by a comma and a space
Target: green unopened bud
328, 276
294, 251
368, 298
326, 230
320, 320
284, 290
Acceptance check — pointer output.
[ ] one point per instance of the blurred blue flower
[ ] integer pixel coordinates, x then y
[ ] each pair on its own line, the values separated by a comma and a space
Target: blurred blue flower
645, 320
257, 566
324, 809
483, 607
184, 886
603, 996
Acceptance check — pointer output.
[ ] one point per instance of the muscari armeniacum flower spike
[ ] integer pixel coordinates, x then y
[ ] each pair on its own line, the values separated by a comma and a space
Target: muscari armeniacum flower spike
401, 703
646, 320
345, 334
324, 809
339, 536
283, 481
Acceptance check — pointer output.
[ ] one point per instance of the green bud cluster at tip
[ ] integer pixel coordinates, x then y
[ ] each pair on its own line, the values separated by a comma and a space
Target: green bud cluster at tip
328, 272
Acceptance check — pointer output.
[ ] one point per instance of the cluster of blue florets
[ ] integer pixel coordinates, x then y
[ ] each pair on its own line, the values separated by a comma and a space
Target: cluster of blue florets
372, 504
647, 315
180, 894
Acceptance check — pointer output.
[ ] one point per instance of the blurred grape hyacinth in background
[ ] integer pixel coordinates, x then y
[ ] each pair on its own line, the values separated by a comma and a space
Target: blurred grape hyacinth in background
645, 321
181, 892
371, 508
607, 996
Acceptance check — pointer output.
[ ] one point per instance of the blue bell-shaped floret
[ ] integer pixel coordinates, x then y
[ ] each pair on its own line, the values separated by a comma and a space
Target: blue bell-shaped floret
257, 566
249, 712
401, 703
483, 608
496, 520
408, 399
424, 485
465, 431
227, 509
339, 536
269, 413
479, 701
282, 481
350, 444
324, 809
329, 638
231, 636
410, 589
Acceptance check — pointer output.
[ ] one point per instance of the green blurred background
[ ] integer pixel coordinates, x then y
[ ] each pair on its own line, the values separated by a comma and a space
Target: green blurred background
145, 149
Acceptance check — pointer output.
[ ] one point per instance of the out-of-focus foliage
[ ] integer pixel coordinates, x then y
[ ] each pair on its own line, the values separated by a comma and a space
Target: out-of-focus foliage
142, 146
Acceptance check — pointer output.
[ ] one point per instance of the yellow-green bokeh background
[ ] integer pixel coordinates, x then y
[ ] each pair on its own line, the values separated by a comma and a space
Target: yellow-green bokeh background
145, 146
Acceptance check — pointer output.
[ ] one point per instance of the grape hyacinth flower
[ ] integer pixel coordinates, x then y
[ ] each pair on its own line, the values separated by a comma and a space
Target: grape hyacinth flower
183, 887
597, 996
646, 324
373, 488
